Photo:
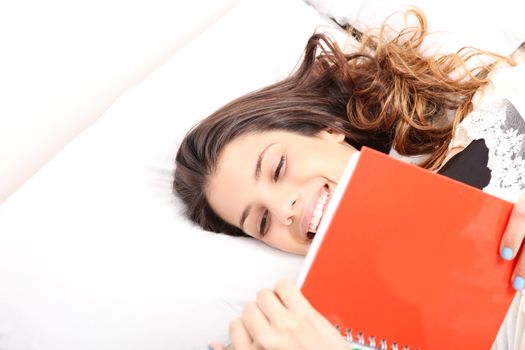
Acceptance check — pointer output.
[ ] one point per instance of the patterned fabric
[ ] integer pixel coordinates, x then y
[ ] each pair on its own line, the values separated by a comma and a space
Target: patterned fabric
503, 129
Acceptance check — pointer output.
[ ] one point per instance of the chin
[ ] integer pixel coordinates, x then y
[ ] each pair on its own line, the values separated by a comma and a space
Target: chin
304, 249
298, 248
295, 250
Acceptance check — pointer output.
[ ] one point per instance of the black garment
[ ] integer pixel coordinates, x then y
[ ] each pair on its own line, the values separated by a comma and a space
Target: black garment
470, 165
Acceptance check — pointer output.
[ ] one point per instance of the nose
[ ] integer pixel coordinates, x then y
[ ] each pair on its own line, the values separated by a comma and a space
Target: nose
283, 205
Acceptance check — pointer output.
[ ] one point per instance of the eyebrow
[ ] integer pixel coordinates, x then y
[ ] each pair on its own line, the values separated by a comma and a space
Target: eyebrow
256, 176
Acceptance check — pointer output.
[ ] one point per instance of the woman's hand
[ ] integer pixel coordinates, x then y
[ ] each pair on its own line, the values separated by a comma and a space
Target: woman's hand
282, 318
512, 241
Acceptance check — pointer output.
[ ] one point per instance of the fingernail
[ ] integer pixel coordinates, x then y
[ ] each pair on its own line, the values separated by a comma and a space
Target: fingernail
518, 283
506, 253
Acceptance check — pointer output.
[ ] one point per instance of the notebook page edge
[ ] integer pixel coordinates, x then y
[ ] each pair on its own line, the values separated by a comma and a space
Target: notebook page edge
327, 218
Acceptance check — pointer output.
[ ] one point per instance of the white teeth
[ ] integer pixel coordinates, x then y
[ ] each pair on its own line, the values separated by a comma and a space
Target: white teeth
318, 211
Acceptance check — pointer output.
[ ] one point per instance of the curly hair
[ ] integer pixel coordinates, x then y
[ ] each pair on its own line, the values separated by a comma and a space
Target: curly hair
386, 94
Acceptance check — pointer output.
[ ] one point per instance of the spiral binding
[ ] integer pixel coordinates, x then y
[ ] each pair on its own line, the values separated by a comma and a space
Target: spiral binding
359, 342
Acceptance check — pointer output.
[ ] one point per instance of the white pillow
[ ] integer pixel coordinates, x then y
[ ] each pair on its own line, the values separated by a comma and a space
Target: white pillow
64, 62
495, 26
93, 251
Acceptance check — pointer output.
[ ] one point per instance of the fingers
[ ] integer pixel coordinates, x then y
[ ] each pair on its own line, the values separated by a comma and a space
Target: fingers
518, 277
515, 231
239, 336
216, 346
254, 321
291, 296
281, 319
270, 305
512, 240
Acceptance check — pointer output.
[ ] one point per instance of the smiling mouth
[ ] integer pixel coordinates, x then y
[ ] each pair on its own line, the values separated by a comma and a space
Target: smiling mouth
318, 213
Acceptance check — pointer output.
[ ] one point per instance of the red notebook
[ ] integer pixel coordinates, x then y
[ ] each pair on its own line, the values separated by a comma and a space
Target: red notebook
411, 257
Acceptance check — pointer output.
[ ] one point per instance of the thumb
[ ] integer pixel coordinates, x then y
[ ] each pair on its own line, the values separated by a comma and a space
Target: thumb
216, 346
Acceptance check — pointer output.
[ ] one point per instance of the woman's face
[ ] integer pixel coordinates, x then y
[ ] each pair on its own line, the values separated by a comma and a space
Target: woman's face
275, 185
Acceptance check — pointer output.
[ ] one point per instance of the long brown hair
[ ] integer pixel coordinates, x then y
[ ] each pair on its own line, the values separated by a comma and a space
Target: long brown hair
386, 94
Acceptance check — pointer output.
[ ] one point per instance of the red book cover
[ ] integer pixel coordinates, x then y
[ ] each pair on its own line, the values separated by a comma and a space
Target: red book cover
410, 256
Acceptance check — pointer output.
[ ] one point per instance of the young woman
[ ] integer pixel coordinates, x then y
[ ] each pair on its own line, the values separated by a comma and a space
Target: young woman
259, 165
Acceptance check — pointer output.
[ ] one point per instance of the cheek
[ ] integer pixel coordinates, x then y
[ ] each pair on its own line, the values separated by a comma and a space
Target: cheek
279, 237
319, 161
331, 161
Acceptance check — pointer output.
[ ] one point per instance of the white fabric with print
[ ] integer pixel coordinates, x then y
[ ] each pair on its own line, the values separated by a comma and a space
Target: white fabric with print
503, 129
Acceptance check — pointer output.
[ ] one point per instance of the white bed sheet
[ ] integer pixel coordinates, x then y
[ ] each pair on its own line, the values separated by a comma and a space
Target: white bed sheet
64, 62
93, 251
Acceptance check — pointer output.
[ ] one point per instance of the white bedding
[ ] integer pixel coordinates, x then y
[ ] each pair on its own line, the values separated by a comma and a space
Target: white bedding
495, 26
93, 251
64, 62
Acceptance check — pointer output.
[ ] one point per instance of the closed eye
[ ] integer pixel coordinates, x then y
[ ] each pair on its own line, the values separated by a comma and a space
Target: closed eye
279, 167
264, 221
262, 226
